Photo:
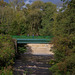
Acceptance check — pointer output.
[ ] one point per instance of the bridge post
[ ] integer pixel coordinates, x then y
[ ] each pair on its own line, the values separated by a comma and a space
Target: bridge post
15, 45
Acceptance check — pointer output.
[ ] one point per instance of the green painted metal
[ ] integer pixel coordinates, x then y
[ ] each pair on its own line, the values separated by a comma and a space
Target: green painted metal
33, 39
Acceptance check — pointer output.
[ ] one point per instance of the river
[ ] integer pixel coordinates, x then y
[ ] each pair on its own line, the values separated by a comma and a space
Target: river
28, 64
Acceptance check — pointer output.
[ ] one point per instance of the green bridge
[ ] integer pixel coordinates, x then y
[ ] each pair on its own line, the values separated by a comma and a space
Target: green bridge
32, 39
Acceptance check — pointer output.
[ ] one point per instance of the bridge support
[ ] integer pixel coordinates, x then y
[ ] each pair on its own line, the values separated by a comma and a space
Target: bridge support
15, 45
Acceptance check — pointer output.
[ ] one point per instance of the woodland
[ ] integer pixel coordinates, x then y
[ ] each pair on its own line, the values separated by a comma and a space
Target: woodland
42, 19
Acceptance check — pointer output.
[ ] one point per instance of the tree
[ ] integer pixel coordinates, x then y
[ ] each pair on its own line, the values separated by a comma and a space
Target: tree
64, 42
8, 18
2, 3
37, 5
34, 17
17, 4
47, 19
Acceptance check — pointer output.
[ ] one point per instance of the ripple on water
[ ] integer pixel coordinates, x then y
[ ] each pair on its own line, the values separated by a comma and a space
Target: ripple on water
28, 64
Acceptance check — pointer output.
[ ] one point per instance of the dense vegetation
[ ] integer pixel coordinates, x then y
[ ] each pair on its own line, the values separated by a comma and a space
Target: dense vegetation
40, 18
16, 18
7, 54
64, 42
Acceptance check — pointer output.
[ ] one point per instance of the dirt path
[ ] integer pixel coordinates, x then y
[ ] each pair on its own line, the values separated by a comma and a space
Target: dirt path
32, 65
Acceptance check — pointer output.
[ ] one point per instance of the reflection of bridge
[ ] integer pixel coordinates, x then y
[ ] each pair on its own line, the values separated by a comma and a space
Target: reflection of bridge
33, 39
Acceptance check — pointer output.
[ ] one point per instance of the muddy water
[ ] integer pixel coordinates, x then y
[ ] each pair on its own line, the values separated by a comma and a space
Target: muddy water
28, 64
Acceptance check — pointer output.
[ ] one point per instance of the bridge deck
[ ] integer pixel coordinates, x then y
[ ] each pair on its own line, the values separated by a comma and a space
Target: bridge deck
33, 39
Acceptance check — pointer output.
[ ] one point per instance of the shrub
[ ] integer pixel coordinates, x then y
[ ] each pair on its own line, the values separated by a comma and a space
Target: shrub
7, 51
66, 67
21, 49
6, 71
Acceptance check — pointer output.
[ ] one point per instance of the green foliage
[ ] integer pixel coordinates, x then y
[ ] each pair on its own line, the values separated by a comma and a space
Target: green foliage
47, 19
6, 71
52, 62
17, 4
64, 42
7, 52
39, 18
37, 5
36, 18
2, 3
66, 67
21, 49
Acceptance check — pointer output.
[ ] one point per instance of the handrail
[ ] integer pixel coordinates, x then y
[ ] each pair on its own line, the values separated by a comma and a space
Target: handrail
31, 37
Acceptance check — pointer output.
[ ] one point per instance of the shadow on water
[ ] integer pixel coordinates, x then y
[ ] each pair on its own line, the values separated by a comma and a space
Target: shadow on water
25, 46
28, 64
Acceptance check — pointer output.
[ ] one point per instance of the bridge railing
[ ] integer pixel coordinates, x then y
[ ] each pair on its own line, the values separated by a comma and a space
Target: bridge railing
32, 37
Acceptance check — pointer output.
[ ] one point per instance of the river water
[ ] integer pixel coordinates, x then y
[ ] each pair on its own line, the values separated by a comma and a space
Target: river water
28, 64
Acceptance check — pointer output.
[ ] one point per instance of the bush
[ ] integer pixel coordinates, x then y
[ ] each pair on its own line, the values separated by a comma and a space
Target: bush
66, 67
21, 49
6, 71
7, 51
